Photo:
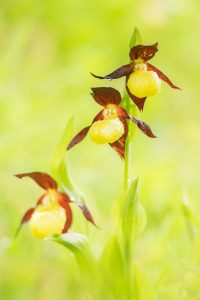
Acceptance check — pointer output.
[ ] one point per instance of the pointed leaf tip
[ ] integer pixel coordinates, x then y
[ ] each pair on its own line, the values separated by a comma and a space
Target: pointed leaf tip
136, 38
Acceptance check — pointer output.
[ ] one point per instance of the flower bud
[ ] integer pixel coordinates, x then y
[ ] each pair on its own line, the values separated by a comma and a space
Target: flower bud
143, 83
106, 131
46, 220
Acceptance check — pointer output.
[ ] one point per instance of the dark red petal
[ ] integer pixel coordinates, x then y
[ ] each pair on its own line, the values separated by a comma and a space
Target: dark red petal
25, 219
85, 212
106, 95
64, 197
120, 72
119, 145
143, 127
162, 76
79, 137
63, 201
42, 179
143, 52
40, 200
99, 116
138, 101
29, 213
82, 134
122, 113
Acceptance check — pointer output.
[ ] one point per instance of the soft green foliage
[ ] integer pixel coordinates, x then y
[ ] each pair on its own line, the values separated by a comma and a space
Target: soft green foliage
143, 287
126, 216
58, 163
78, 245
47, 51
136, 38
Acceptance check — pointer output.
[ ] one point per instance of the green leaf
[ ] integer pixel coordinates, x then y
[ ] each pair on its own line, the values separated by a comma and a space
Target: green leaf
140, 219
143, 287
130, 218
136, 38
188, 213
78, 244
111, 259
57, 162
59, 167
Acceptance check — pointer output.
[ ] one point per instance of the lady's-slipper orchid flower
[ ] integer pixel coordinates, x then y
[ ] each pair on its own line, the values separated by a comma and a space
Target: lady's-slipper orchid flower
110, 124
52, 212
142, 79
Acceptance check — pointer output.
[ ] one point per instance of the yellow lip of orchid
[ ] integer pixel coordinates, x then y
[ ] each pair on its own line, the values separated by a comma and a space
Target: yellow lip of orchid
144, 83
52, 212
47, 220
49, 217
110, 124
139, 60
106, 131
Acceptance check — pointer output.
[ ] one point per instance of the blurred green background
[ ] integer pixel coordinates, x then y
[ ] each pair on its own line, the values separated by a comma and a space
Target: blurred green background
47, 50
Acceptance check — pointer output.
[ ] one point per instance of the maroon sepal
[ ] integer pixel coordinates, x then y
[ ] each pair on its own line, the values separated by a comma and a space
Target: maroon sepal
99, 116
40, 200
120, 72
122, 113
139, 102
82, 134
162, 76
63, 201
143, 52
25, 219
143, 127
119, 145
79, 137
27, 216
42, 179
106, 95
85, 212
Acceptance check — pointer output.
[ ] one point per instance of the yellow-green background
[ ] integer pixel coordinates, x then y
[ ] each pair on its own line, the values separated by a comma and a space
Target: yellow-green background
47, 49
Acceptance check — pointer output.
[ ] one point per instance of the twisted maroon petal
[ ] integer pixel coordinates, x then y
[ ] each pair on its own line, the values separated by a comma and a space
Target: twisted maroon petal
122, 113
26, 217
42, 179
139, 102
162, 76
143, 127
82, 134
87, 214
143, 52
120, 72
28, 214
79, 137
106, 95
119, 145
63, 201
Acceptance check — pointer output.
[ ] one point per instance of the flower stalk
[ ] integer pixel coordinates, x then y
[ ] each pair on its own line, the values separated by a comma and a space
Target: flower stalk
128, 149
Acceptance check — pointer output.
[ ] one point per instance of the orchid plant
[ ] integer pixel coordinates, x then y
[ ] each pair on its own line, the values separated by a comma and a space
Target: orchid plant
51, 217
142, 79
110, 125
52, 213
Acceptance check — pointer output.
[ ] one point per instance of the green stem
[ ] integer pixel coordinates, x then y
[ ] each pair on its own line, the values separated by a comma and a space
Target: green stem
127, 162
127, 177
127, 158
